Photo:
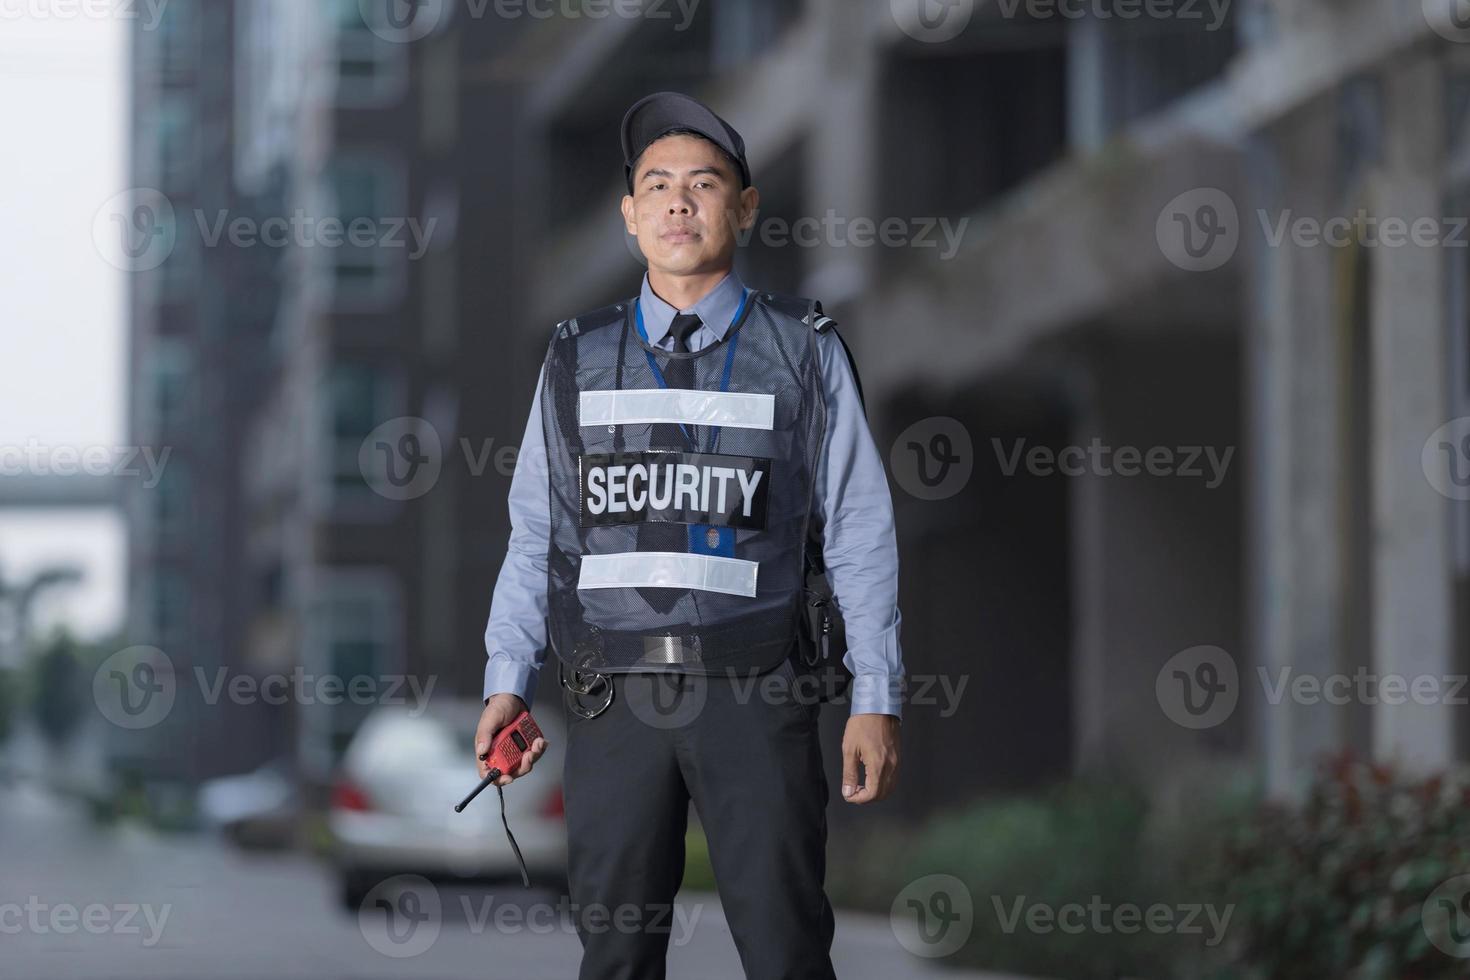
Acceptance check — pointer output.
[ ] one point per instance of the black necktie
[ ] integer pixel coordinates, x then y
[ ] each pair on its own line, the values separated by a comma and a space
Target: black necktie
667, 535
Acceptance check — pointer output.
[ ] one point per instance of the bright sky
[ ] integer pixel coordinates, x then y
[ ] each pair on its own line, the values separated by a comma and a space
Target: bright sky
63, 102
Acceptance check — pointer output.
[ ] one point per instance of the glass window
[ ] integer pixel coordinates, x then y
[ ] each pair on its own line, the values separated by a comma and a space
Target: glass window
363, 271
353, 632
371, 71
361, 397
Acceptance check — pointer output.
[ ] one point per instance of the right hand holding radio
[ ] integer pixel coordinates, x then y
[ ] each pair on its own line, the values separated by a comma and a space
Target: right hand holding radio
501, 710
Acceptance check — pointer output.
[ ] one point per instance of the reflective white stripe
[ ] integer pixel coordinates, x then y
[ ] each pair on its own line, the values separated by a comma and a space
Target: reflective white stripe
669, 569
738, 409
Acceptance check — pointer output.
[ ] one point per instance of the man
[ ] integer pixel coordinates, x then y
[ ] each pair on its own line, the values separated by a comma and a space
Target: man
696, 438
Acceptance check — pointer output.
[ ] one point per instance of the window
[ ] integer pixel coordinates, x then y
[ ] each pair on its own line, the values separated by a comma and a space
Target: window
364, 269
352, 632
177, 140
360, 398
169, 613
371, 71
172, 501
178, 38
170, 366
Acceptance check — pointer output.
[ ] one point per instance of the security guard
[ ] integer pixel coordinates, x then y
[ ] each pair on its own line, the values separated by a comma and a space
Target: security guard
695, 438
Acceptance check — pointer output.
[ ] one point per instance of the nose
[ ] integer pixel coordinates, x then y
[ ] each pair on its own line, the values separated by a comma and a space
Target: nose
681, 204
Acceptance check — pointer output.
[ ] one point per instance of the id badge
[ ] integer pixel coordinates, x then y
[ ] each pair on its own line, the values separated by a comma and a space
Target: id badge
706, 539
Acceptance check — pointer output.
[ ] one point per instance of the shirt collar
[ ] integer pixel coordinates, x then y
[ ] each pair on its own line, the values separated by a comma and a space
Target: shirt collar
716, 309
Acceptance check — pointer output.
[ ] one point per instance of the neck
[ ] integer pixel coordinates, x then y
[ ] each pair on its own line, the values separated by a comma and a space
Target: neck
683, 291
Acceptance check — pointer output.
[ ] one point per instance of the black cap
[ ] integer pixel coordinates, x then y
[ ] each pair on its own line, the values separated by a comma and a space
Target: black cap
656, 115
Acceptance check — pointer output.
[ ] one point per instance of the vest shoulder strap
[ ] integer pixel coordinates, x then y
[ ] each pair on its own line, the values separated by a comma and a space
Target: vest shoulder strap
596, 320
808, 311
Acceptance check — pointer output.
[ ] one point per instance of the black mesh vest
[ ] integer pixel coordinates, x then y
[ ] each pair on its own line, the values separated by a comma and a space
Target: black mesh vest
737, 475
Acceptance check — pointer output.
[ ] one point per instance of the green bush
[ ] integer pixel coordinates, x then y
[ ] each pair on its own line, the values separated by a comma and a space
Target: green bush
1336, 887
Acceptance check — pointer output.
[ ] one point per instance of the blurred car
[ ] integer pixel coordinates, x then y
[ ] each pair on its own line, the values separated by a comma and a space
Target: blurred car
257, 810
392, 805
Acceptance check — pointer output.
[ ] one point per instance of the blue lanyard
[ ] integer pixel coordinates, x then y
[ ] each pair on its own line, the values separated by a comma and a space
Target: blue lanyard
724, 377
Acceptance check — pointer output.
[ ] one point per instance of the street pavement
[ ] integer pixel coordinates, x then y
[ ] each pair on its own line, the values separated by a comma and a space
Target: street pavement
82, 903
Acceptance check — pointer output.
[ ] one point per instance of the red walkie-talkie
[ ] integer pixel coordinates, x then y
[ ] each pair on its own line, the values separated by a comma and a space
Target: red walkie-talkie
510, 743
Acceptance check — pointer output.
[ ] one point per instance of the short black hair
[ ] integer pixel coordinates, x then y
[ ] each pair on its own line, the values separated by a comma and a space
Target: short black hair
685, 131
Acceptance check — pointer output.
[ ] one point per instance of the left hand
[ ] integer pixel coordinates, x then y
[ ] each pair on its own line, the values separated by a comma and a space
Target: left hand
872, 740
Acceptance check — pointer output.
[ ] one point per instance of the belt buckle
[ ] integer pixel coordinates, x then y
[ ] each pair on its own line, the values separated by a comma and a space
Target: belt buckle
672, 651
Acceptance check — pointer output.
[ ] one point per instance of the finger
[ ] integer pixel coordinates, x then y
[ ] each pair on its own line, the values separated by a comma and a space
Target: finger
529, 758
850, 758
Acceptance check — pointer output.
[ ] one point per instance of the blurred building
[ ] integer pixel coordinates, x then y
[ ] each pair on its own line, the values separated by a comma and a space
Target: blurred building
1064, 148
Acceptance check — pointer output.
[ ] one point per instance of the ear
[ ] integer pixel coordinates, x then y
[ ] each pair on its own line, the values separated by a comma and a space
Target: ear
750, 200
628, 221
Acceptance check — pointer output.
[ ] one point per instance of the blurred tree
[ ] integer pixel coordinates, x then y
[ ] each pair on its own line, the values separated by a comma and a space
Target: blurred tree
59, 687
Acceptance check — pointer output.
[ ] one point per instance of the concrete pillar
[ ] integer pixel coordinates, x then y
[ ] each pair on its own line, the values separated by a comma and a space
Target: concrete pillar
1292, 516
1412, 585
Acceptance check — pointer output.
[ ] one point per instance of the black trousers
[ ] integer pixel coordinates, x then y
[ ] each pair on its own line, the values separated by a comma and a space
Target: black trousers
746, 751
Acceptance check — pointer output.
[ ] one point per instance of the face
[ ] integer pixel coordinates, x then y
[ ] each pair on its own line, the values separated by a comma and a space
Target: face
687, 206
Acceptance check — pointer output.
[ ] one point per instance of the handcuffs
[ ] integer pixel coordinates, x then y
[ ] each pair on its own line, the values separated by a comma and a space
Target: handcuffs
585, 684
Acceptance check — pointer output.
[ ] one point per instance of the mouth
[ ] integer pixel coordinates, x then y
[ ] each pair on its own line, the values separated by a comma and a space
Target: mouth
679, 235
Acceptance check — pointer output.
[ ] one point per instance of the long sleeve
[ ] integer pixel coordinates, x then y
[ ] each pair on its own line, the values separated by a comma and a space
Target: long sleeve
515, 637
859, 546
